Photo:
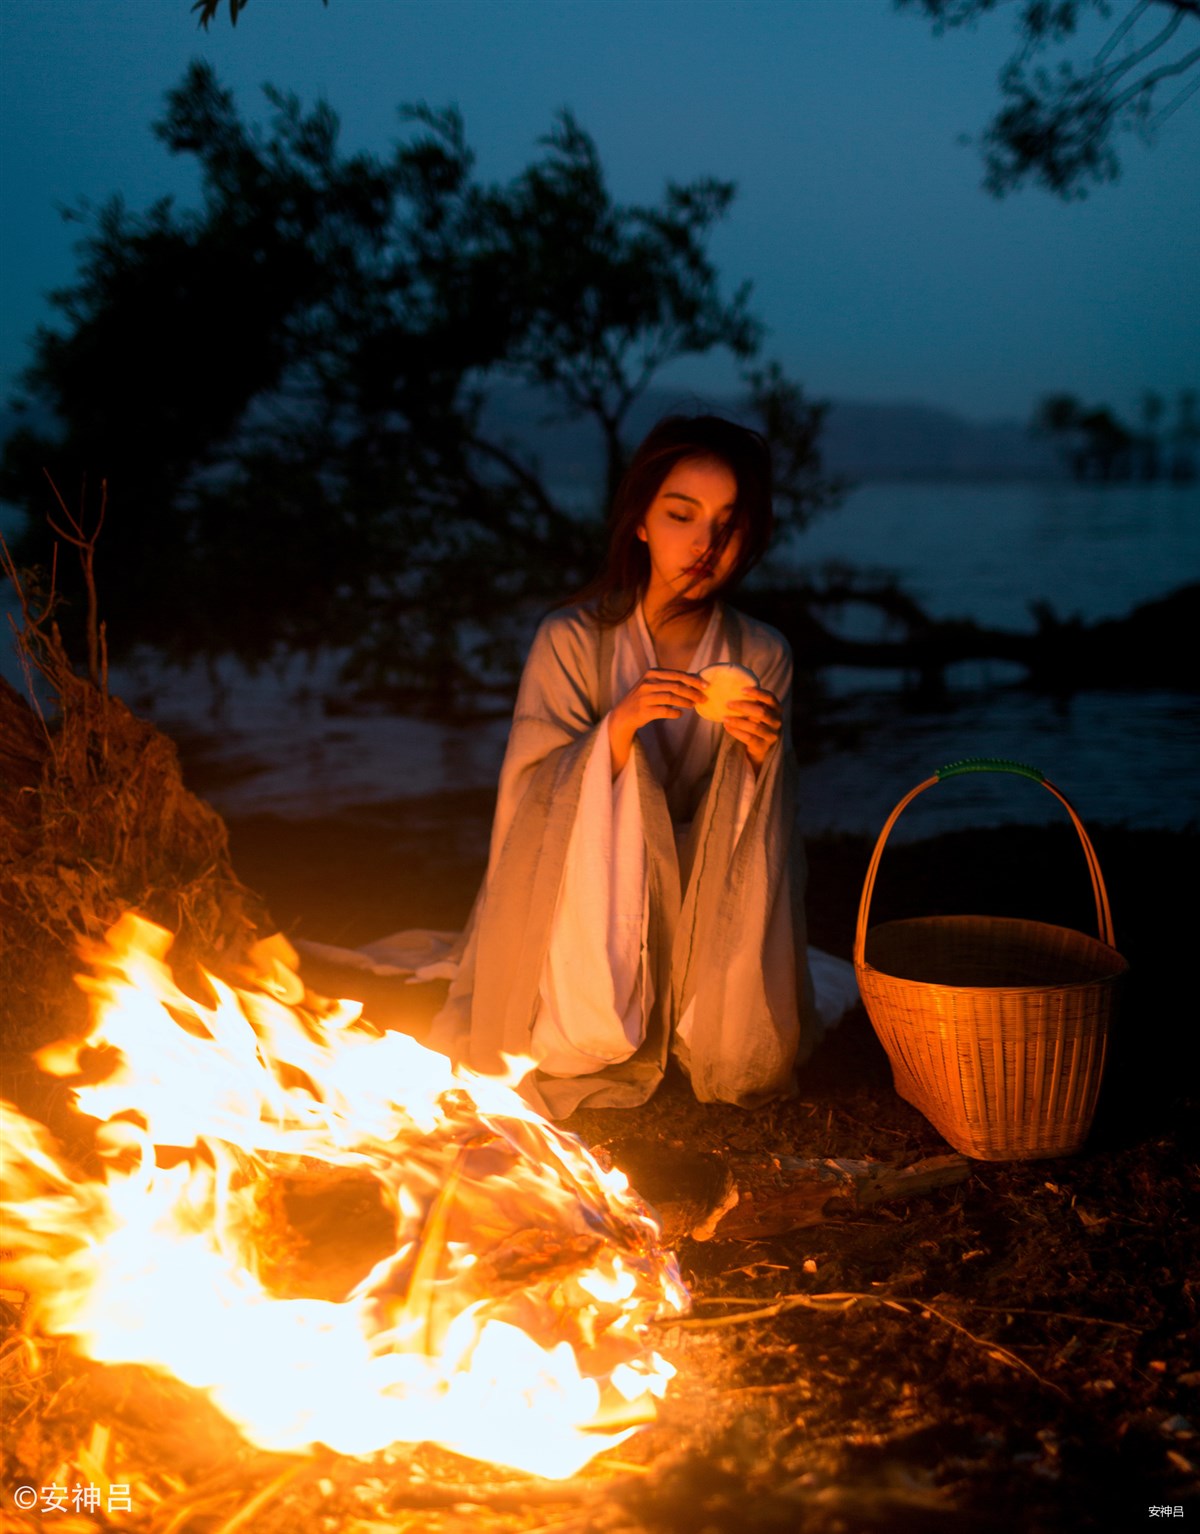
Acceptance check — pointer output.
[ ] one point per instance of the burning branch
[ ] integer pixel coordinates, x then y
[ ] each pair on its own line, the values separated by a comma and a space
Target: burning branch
508, 1316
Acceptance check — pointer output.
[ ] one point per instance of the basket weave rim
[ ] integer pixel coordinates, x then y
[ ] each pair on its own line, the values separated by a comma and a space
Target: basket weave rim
994, 990
1119, 967
956, 917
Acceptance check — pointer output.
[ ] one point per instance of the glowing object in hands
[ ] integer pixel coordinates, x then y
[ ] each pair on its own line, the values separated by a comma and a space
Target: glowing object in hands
726, 683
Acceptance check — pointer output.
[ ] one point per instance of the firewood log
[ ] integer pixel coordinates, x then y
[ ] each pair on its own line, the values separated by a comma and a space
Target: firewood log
694, 1193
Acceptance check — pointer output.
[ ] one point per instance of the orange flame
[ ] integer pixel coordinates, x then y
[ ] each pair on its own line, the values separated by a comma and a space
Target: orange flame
505, 1316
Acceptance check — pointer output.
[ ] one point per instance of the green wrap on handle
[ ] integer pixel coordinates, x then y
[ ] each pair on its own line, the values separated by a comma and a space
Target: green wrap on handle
988, 764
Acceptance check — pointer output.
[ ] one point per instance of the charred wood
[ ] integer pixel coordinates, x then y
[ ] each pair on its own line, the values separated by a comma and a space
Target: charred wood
695, 1194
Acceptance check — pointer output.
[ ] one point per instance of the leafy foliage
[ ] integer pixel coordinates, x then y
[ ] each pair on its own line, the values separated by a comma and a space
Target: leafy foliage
207, 9
1097, 445
1057, 125
285, 388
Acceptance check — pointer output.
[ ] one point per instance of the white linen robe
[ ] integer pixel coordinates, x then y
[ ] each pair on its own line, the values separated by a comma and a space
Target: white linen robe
597, 989
721, 949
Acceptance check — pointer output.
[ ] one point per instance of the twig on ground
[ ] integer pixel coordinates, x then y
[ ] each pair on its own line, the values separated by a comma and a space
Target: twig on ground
842, 1300
993, 1349
835, 1300
1056, 1315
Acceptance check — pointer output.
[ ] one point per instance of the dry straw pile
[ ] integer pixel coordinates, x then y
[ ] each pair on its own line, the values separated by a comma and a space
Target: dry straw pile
94, 820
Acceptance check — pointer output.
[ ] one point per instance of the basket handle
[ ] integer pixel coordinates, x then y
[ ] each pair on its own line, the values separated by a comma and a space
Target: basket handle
988, 764
984, 764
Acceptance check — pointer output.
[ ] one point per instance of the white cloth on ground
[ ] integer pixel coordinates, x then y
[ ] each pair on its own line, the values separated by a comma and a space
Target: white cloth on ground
406, 955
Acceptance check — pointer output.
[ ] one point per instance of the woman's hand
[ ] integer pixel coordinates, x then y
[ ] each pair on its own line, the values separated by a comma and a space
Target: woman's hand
659, 695
756, 719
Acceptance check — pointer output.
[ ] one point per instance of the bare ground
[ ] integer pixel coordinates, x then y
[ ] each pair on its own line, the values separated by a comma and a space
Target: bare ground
1019, 1351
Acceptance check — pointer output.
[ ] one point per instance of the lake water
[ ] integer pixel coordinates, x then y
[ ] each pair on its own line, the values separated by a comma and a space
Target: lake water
987, 551
981, 551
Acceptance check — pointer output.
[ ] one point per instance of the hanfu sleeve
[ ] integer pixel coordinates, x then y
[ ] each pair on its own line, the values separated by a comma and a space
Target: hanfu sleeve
559, 731
557, 713
593, 983
739, 964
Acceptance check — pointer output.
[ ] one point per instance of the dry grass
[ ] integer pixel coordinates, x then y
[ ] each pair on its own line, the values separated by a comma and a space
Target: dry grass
95, 819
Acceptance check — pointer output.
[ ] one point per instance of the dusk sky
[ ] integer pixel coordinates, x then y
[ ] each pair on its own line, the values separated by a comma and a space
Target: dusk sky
881, 269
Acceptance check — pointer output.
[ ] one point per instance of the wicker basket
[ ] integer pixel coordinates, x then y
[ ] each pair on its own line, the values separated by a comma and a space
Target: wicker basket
996, 1029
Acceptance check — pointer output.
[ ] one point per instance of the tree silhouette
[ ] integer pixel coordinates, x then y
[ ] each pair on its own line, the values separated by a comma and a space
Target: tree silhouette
1058, 416
1096, 444
285, 388
205, 10
1057, 125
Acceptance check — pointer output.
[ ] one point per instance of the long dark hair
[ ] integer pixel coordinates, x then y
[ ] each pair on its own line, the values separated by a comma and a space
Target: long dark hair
616, 591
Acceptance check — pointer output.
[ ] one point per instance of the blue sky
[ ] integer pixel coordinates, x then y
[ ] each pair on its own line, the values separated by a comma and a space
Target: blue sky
881, 269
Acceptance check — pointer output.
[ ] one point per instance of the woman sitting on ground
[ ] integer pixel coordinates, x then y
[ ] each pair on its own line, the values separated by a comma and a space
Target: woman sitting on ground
645, 884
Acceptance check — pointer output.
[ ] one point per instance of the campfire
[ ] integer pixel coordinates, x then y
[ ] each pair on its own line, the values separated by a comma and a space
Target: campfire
323, 1227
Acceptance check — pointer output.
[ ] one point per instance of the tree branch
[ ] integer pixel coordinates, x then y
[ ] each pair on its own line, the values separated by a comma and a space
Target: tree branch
85, 543
1175, 103
1057, 124
1140, 55
1148, 82
1122, 31
525, 477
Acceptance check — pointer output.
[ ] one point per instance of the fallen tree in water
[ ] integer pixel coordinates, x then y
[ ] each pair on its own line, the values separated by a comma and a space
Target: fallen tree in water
1153, 646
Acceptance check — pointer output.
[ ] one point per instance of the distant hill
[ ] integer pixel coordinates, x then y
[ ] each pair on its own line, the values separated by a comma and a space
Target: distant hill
868, 441
860, 441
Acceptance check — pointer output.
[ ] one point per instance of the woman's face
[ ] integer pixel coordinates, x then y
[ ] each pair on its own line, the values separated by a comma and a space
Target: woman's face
682, 527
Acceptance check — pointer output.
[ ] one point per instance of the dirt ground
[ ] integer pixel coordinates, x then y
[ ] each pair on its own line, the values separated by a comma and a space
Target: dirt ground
1015, 1352
1042, 1369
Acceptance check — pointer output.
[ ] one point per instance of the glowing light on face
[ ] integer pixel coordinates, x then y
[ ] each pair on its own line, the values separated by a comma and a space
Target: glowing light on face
682, 529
